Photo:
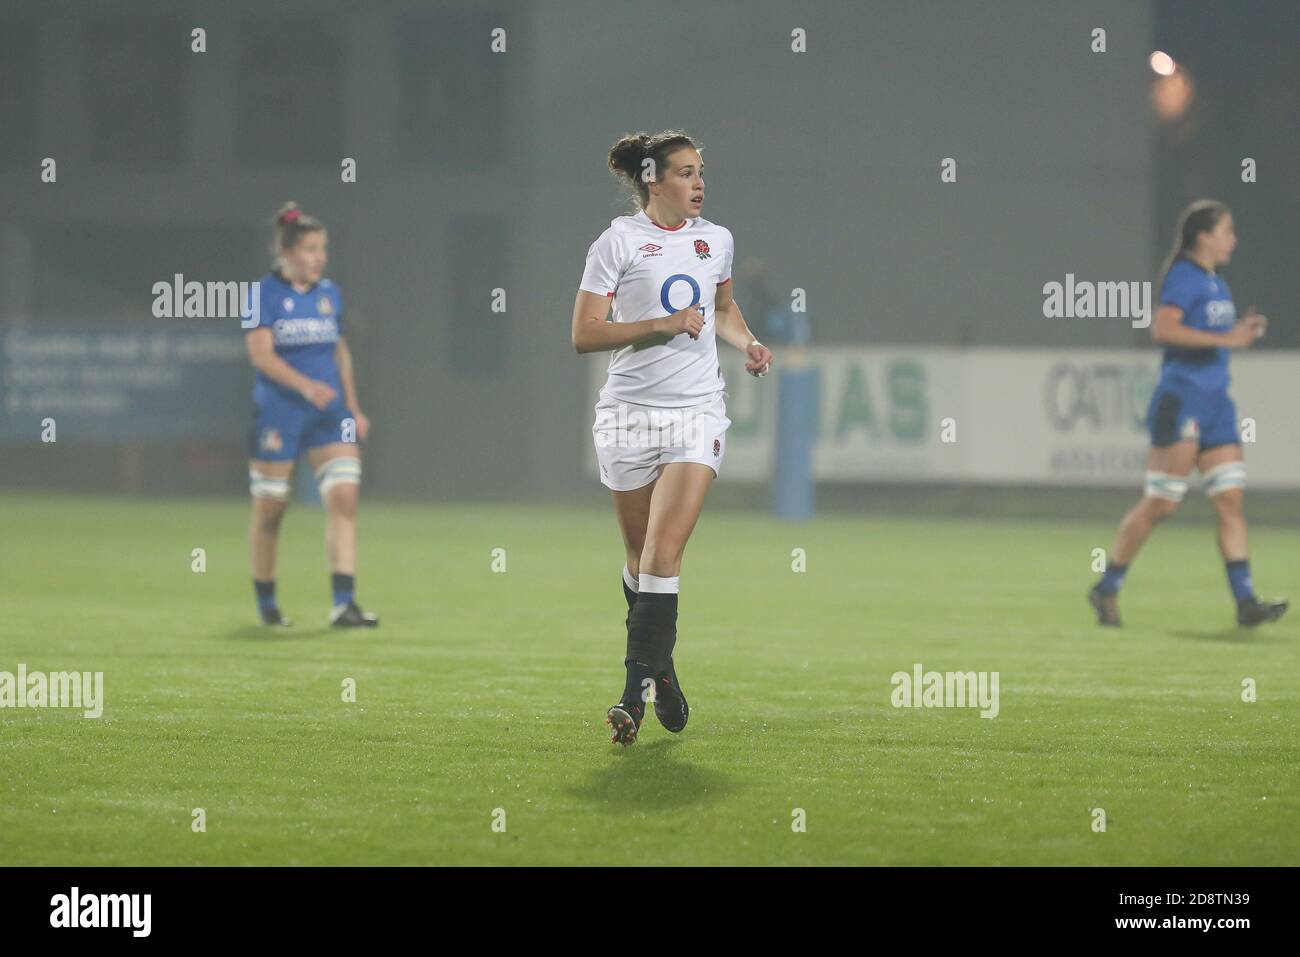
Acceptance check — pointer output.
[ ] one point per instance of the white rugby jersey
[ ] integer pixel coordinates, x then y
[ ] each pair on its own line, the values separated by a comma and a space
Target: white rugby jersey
651, 271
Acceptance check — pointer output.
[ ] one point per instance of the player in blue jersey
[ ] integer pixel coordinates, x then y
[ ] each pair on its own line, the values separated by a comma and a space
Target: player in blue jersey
305, 399
1192, 419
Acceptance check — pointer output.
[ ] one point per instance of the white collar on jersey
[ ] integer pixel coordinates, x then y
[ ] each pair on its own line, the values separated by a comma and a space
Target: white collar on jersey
644, 218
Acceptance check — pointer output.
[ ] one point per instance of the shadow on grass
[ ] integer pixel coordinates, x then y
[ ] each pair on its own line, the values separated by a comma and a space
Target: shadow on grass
263, 634
648, 777
1235, 635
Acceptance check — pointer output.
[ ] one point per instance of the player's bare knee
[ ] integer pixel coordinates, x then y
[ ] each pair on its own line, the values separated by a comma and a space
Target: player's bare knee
342, 500
661, 558
1230, 504
1158, 509
268, 513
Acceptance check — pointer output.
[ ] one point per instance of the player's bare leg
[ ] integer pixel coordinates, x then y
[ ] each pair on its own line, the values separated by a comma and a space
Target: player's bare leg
269, 484
1174, 461
632, 509
340, 503
1225, 485
674, 509
1229, 504
338, 472
1167, 470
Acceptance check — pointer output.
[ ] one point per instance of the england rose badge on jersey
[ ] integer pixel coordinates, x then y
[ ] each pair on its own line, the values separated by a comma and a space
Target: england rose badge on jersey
701, 249
324, 305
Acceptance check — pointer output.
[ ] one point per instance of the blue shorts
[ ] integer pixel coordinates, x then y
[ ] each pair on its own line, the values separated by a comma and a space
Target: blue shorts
283, 426
1180, 414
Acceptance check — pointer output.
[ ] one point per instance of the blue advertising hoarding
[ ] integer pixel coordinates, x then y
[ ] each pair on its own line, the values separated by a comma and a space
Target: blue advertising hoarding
109, 382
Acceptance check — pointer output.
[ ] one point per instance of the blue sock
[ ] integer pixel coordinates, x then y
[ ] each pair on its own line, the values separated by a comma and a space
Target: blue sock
344, 587
265, 594
1239, 580
1112, 578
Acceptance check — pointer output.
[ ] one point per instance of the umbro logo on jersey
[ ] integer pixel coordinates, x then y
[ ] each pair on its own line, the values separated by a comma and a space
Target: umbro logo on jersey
650, 249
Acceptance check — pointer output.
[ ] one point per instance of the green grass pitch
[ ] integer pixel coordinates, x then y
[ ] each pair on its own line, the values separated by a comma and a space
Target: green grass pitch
487, 690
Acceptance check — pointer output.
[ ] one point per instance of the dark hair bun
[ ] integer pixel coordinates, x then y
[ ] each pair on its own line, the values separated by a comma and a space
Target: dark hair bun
626, 156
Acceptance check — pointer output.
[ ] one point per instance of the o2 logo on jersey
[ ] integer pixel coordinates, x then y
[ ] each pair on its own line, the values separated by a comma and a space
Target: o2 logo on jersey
664, 291
701, 249
1220, 312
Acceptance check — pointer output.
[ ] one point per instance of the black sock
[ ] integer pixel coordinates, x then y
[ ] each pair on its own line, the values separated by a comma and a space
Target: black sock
1239, 580
344, 587
640, 677
1112, 578
630, 595
265, 594
652, 630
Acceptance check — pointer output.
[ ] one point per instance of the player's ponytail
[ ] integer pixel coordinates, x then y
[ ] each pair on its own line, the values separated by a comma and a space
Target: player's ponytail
627, 159
1200, 217
291, 223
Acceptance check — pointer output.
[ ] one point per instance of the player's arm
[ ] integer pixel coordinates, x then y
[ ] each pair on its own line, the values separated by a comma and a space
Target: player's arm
729, 322
591, 333
261, 352
1168, 329
343, 359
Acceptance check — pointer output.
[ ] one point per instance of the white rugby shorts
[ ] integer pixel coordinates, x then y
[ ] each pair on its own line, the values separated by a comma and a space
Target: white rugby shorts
633, 442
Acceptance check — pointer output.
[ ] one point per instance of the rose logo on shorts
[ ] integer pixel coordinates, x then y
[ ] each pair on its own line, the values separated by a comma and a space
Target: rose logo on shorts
717, 446
701, 249
271, 441
1191, 429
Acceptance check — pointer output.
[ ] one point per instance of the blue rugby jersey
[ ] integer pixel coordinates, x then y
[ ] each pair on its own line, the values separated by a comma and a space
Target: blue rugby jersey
1207, 305
306, 327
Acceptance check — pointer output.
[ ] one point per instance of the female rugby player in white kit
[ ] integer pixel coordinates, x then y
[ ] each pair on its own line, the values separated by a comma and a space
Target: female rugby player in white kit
661, 421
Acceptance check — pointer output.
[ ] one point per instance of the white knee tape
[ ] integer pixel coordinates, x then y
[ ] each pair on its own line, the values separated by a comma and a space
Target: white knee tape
341, 471
1225, 476
263, 486
1171, 488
